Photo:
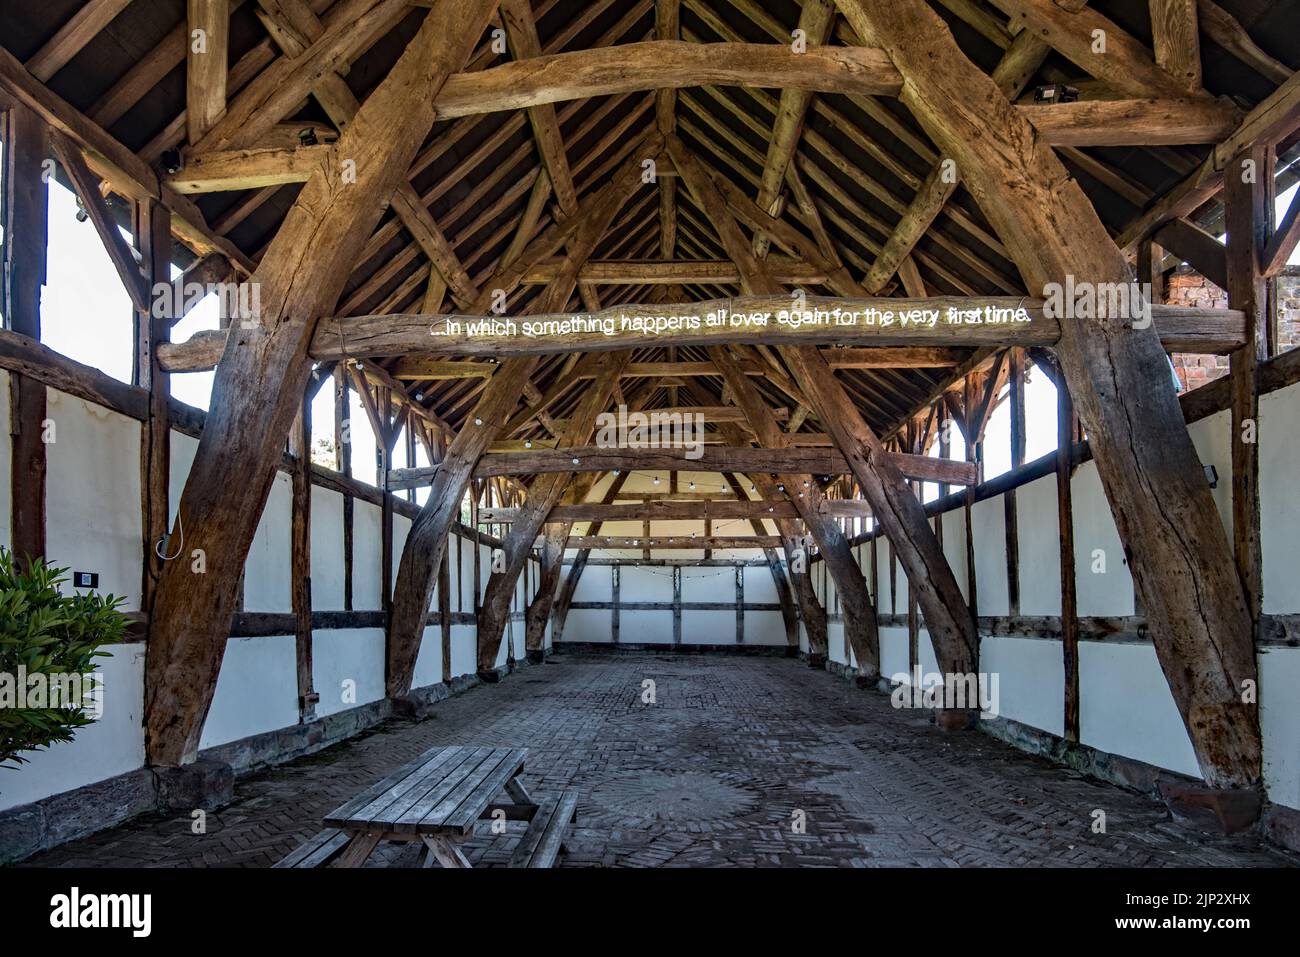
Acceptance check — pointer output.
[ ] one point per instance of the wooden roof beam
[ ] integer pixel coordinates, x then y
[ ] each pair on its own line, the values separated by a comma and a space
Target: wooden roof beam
1181, 329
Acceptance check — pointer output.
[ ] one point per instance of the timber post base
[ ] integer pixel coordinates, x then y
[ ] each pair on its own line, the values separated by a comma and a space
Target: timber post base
536, 656
411, 706
816, 660
204, 783
956, 719
493, 676
1221, 810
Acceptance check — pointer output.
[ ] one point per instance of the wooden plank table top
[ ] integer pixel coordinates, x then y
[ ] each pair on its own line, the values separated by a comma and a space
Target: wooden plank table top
435, 799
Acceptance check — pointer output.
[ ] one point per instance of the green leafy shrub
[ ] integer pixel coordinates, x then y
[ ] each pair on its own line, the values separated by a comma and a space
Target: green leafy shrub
47, 633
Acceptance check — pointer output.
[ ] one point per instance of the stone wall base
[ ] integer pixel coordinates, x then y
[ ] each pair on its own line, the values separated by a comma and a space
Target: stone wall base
764, 651
1277, 823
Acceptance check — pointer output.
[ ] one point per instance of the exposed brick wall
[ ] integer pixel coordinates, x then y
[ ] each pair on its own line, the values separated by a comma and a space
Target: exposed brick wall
1186, 287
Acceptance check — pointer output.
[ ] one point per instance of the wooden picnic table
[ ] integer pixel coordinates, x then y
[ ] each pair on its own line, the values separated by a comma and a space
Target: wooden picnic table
435, 800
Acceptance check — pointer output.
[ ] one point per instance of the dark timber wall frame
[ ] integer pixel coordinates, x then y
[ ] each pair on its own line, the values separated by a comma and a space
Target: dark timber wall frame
732, 230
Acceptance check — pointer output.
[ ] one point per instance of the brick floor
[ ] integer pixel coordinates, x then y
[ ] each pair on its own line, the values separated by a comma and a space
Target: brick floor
715, 772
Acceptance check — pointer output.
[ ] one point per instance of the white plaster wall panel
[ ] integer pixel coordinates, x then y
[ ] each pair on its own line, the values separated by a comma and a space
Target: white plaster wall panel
1097, 545
893, 651
92, 495
465, 549
6, 471
1279, 718
588, 625
622, 529
485, 569
707, 584
835, 642
1212, 437
453, 563
503, 647
645, 627
925, 652
326, 549
1125, 706
367, 551
428, 663
268, 570
112, 745
1040, 548
518, 635
899, 604
645, 584
1030, 680
989, 522
708, 627
464, 650
257, 690
595, 583
347, 663
1279, 464
183, 448
759, 586
764, 628
401, 528
881, 591
954, 548
1279, 722
682, 528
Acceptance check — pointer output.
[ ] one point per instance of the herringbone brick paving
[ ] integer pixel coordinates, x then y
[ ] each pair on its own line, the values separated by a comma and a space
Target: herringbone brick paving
717, 771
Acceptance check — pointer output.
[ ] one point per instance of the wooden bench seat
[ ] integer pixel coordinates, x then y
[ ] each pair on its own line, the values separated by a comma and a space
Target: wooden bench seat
544, 839
319, 850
